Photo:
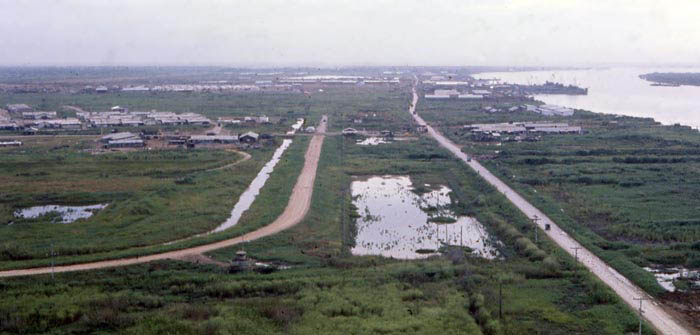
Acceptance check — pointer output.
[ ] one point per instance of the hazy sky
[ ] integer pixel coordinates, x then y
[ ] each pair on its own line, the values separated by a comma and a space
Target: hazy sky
357, 32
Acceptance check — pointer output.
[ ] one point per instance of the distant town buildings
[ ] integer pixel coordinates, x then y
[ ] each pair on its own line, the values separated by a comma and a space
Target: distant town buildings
551, 110
455, 94
38, 115
120, 117
523, 127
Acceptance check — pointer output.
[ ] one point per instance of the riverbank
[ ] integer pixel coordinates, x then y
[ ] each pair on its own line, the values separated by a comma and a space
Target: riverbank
617, 91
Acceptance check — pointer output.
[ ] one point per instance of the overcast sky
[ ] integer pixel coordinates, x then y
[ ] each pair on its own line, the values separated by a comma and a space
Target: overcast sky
356, 32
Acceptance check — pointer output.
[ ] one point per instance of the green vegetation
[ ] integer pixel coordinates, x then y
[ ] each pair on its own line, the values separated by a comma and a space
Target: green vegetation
625, 188
155, 197
326, 290
673, 78
329, 291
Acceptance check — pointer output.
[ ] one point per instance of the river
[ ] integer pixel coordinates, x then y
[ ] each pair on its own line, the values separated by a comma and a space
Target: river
618, 91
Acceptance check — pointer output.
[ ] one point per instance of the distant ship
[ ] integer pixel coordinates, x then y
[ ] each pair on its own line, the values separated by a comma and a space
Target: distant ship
665, 84
554, 88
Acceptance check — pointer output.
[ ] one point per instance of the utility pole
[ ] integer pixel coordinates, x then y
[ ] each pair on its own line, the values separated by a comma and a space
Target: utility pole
640, 312
52, 262
534, 220
576, 253
500, 298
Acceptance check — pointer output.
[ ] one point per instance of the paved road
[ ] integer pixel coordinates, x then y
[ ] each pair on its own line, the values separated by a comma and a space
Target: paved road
653, 312
296, 210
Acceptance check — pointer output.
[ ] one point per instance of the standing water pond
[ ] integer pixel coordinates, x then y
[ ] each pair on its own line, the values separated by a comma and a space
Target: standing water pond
396, 222
58, 213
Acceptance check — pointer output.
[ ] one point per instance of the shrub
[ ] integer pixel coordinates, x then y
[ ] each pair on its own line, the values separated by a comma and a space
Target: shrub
493, 327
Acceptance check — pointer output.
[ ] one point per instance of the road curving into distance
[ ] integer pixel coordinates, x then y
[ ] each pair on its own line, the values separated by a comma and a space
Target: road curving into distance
297, 207
659, 318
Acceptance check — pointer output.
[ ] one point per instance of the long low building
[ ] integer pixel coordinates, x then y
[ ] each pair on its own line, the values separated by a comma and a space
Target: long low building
550, 110
70, 123
118, 137
454, 94
10, 143
523, 127
128, 143
38, 115
206, 139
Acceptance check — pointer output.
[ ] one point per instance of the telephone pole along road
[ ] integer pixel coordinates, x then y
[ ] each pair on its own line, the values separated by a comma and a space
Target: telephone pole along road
297, 207
653, 312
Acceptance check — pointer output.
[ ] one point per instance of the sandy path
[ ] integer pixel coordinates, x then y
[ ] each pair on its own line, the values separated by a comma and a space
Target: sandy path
74, 108
296, 209
246, 156
653, 312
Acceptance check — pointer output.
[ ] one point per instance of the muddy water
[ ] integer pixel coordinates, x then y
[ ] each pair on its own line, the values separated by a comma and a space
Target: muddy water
395, 222
253, 189
371, 141
666, 276
66, 214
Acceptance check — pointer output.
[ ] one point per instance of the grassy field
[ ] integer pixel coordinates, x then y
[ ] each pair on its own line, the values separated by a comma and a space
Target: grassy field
625, 188
154, 196
329, 291
326, 290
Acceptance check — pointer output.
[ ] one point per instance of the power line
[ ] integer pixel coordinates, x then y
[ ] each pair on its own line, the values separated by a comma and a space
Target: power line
534, 220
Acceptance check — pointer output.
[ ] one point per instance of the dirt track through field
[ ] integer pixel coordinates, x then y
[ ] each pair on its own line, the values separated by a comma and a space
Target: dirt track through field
297, 207
654, 313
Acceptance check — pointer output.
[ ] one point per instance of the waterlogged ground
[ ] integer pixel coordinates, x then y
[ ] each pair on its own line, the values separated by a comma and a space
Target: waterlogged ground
396, 222
371, 141
59, 214
667, 277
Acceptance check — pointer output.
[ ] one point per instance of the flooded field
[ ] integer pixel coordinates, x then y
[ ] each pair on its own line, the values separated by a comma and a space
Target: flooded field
58, 213
666, 277
371, 141
253, 189
396, 222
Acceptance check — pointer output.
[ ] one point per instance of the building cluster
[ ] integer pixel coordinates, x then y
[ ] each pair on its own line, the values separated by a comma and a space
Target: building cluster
496, 129
550, 110
468, 87
245, 120
120, 117
338, 80
21, 116
210, 87
133, 140
473, 94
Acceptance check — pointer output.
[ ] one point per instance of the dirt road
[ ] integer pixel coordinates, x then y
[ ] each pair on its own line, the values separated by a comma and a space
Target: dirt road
653, 312
74, 108
296, 209
246, 156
